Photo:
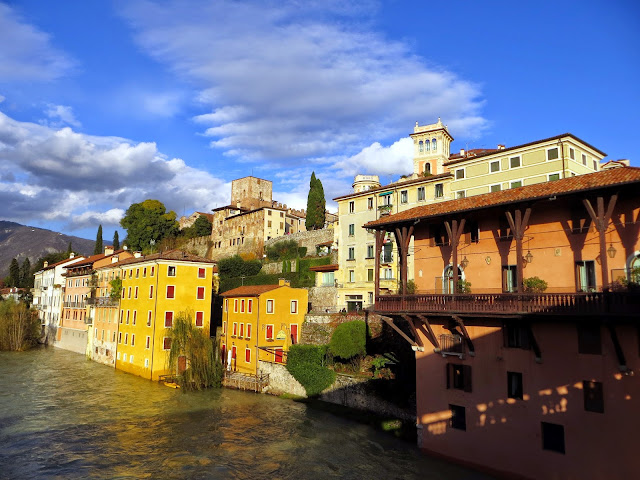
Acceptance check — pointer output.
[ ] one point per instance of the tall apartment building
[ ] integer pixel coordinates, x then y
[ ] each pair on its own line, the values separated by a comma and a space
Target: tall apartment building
439, 176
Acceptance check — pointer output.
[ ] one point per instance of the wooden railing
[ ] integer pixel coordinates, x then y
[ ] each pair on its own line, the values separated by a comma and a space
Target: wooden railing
597, 303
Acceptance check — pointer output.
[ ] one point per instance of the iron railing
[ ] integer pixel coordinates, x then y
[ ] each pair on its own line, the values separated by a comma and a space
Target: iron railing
595, 303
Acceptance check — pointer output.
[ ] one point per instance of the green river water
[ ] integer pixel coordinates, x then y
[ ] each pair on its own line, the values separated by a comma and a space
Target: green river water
62, 416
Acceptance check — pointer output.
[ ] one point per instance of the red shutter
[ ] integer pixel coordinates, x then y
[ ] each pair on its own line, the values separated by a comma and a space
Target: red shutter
170, 291
168, 319
248, 331
247, 355
201, 273
294, 334
199, 319
242, 329
279, 355
269, 332
200, 293
166, 344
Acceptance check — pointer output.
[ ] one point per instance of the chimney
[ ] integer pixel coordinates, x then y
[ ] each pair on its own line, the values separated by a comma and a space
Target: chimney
500, 146
114, 259
462, 152
46, 264
283, 282
72, 255
108, 250
137, 254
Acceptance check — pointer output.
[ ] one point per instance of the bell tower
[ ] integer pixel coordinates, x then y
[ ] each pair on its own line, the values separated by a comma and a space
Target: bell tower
431, 145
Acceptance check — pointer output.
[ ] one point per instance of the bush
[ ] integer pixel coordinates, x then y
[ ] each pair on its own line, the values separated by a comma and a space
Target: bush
306, 364
534, 285
19, 326
286, 249
302, 252
237, 267
349, 340
411, 287
464, 286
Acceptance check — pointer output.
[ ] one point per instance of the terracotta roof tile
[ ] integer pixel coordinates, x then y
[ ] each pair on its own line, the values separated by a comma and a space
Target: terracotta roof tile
325, 268
591, 181
249, 290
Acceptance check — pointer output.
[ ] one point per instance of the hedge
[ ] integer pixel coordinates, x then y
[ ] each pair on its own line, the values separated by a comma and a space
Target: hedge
306, 364
349, 340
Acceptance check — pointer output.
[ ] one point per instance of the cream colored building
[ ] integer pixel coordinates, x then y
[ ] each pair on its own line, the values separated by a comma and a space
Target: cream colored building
437, 176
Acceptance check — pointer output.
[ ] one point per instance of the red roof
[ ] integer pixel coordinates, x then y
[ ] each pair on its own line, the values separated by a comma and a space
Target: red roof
325, 268
249, 290
78, 258
565, 186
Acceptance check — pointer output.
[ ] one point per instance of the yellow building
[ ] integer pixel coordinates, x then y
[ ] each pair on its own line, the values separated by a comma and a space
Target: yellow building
155, 289
438, 175
261, 322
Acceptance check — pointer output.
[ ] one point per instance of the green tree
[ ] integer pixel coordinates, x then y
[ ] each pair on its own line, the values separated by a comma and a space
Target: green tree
237, 267
69, 250
202, 226
14, 273
316, 204
19, 326
116, 241
349, 340
98, 248
147, 223
26, 277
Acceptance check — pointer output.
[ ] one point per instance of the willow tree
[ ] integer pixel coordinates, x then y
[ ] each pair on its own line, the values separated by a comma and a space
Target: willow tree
203, 370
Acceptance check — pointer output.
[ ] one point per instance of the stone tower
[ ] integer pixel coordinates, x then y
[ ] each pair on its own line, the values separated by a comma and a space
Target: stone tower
431, 145
251, 192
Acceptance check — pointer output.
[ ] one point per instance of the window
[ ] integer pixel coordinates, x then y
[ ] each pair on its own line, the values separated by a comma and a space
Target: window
387, 274
589, 339
459, 377
554, 176
595, 165
171, 291
248, 336
459, 173
146, 363
439, 190
133, 339
168, 319
584, 159
294, 306
126, 338
370, 275
121, 315
461, 194
495, 188
250, 305
552, 437
404, 197
124, 357
352, 229
153, 269
514, 385
593, 397
421, 146
421, 194
235, 305
269, 332
352, 206
369, 251
247, 355
494, 166
269, 306
171, 271
514, 162
509, 279
166, 343
586, 276
137, 273
135, 293
128, 316
516, 336
458, 417
241, 330
202, 273
149, 318
352, 253
199, 319
427, 145
144, 272
434, 144
572, 153
148, 342
120, 337
552, 153
352, 276
370, 203
279, 355
201, 293
129, 293
516, 184
135, 316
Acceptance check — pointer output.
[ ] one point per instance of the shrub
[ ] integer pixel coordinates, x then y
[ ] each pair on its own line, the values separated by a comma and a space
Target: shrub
302, 252
411, 287
349, 340
237, 267
464, 286
286, 249
534, 285
306, 364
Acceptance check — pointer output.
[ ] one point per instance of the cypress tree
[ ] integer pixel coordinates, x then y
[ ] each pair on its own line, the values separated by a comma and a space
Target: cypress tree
116, 241
98, 248
14, 273
25, 274
69, 250
315, 204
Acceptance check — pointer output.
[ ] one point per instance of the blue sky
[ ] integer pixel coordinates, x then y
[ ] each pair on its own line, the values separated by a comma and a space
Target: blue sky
103, 104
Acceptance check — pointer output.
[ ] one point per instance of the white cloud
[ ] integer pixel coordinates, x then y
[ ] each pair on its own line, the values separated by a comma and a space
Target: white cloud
82, 180
286, 83
378, 160
60, 115
26, 52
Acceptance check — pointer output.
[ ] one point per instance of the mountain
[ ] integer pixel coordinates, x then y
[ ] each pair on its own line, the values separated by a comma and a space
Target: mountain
20, 241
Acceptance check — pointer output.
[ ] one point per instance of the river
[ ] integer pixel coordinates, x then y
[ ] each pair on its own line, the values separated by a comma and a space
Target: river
62, 416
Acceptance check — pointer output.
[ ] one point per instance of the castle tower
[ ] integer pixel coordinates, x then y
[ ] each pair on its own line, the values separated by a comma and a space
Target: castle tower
431, 145
251, 192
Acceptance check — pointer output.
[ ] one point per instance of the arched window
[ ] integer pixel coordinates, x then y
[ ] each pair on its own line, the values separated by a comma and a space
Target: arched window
421, 146
426, 145
434, 147
427, 168
634, 268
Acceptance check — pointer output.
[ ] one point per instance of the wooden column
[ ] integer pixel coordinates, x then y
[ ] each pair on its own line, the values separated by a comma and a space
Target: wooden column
601, 221
518, 226
379, 235
454, 230
403, 238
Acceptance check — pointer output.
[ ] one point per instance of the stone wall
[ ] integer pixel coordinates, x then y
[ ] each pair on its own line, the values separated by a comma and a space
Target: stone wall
280, 380
274, 268
306, 239
198, 246
323, 299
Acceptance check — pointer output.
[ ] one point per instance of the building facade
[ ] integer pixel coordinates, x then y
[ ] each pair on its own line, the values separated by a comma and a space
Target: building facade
517, 376
260, 323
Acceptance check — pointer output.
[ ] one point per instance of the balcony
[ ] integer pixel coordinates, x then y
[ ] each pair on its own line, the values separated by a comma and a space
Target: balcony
75, 304
587, 304
103, 302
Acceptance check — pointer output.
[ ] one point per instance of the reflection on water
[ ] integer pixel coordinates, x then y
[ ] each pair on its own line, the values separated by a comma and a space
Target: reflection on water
62, 416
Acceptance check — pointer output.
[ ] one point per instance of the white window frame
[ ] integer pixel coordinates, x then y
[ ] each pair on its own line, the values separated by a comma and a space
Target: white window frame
495, 162
516, 180
146, 363
572, 153
175, 270
266, 329
499, 185
352, 229
519, 157
271, 301
554, 173
547, 150
435, 190
460, 194
404, 196
166, 293
462, 176
204, 293
421, 194
350, 251
196, 319
294, 306
352, 276
165, 318
352, 206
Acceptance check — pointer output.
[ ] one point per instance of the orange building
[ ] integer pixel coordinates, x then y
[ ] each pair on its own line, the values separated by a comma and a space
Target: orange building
260, 323
155, 289
512, 377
